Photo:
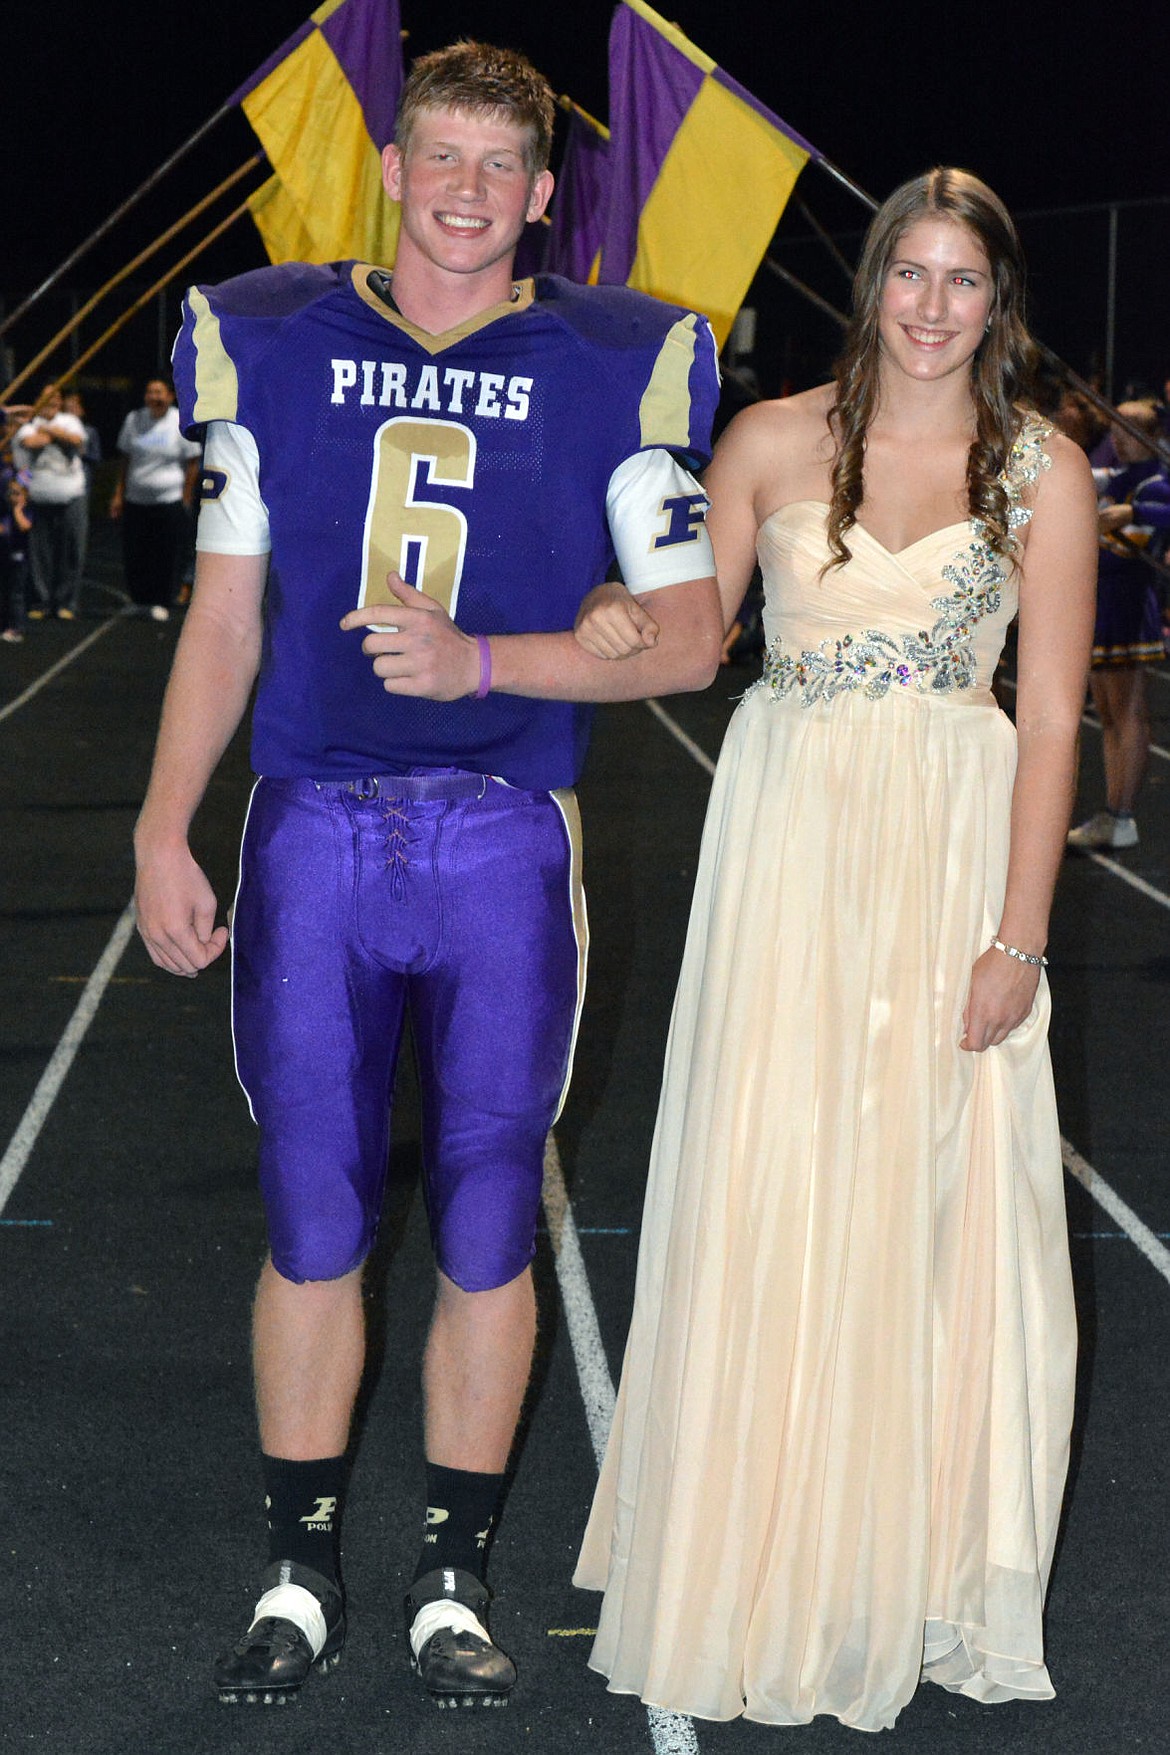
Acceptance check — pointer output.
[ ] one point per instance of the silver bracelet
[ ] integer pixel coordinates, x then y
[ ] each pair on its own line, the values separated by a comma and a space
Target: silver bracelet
997, 944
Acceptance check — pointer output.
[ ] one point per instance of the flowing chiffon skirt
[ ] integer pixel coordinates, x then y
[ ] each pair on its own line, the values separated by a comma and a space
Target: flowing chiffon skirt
842, 1430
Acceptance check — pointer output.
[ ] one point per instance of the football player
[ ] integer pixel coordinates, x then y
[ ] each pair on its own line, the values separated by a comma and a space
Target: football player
412, 481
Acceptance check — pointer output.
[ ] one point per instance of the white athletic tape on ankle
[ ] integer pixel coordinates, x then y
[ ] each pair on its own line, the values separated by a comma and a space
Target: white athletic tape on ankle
292, 1602
445, 1613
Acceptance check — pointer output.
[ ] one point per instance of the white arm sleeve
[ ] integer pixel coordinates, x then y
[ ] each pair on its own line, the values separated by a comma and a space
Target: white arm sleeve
233, 519
657, 518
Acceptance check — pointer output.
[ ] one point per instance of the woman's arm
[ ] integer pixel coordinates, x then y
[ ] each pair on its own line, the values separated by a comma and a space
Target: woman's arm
751, 449
1057, 595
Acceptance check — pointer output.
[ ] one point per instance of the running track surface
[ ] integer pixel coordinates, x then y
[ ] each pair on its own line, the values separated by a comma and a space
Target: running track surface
130, 1236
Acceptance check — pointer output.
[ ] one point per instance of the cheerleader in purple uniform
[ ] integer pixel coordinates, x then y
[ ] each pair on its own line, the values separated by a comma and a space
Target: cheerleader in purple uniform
1134, 508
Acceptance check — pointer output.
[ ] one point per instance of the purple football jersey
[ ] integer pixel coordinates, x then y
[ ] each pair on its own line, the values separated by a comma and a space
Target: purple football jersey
475, 463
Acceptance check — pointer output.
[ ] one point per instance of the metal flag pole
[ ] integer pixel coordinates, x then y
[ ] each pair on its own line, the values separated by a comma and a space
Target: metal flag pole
122, 274
814, 298
819, 231
108, 224
152, 291
838, 176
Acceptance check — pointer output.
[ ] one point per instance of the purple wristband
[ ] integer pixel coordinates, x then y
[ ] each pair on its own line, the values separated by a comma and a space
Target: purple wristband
485, 667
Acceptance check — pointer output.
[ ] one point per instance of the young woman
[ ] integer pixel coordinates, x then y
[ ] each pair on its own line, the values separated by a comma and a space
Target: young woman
842, 1432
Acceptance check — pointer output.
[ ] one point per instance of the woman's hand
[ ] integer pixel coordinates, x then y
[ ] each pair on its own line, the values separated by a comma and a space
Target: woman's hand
612, 624
1001, 995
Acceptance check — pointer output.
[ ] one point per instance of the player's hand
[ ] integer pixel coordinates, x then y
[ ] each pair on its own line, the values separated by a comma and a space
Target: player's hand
1001, 996
415, 646
175, 905
612, 624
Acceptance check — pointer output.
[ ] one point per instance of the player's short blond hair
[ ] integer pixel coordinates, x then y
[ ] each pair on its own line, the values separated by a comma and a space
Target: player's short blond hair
482, 81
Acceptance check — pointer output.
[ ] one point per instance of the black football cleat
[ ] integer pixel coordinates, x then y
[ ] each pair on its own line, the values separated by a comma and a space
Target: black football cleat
298, 1626
450, 1645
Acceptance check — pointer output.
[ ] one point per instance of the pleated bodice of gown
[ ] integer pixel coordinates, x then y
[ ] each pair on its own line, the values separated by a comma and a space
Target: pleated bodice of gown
843, 1422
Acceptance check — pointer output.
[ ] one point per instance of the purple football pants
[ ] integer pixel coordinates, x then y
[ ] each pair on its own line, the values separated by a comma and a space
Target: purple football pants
451, 894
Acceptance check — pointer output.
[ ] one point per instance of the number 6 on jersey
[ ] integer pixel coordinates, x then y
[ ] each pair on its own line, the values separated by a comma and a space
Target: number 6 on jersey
423, 540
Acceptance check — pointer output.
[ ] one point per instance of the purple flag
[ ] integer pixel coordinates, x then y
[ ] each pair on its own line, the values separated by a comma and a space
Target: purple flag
651, 88
581, 202
366, 38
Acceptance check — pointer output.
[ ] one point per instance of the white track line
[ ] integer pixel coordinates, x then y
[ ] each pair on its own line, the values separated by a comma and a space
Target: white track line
1127, 876
671, 1733
55, 669
53, 1077
676, 731
597, 1390
1102, 859
1138, 1232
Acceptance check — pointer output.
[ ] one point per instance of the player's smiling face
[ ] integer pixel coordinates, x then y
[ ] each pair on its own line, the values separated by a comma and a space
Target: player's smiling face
465, 189
936, 299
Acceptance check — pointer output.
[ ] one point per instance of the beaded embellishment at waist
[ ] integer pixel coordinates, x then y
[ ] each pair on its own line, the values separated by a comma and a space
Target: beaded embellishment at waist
935, 660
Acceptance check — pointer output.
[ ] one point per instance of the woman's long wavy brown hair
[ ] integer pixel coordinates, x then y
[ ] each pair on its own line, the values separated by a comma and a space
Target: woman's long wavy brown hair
1001, 370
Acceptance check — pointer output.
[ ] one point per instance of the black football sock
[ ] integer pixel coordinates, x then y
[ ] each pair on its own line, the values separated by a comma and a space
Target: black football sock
303, 1502
461, 1508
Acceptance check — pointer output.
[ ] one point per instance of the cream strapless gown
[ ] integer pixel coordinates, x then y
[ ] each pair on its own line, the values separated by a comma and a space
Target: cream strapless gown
843, 1425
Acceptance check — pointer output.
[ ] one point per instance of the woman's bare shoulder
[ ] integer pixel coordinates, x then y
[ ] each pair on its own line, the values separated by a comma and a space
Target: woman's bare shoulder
1068, 475
1061, 535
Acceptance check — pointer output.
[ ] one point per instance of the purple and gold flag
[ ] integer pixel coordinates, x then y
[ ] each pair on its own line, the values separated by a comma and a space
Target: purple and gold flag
581, 202
323, 107
700, 171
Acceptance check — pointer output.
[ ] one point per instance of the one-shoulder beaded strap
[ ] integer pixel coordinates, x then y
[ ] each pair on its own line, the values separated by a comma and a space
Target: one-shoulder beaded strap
1026, 460
935, 660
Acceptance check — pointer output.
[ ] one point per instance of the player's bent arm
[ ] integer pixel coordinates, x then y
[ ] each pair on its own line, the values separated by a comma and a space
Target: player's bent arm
557, 667
424, 654
1057, 598
215, 666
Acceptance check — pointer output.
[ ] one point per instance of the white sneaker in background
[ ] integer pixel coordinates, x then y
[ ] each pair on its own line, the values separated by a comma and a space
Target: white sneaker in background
1103, 829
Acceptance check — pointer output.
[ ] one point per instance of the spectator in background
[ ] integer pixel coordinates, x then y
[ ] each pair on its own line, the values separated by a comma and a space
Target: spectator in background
15, 525
156, 488
91, 455
91, 452
1133, 512
49, 446
1079, 420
